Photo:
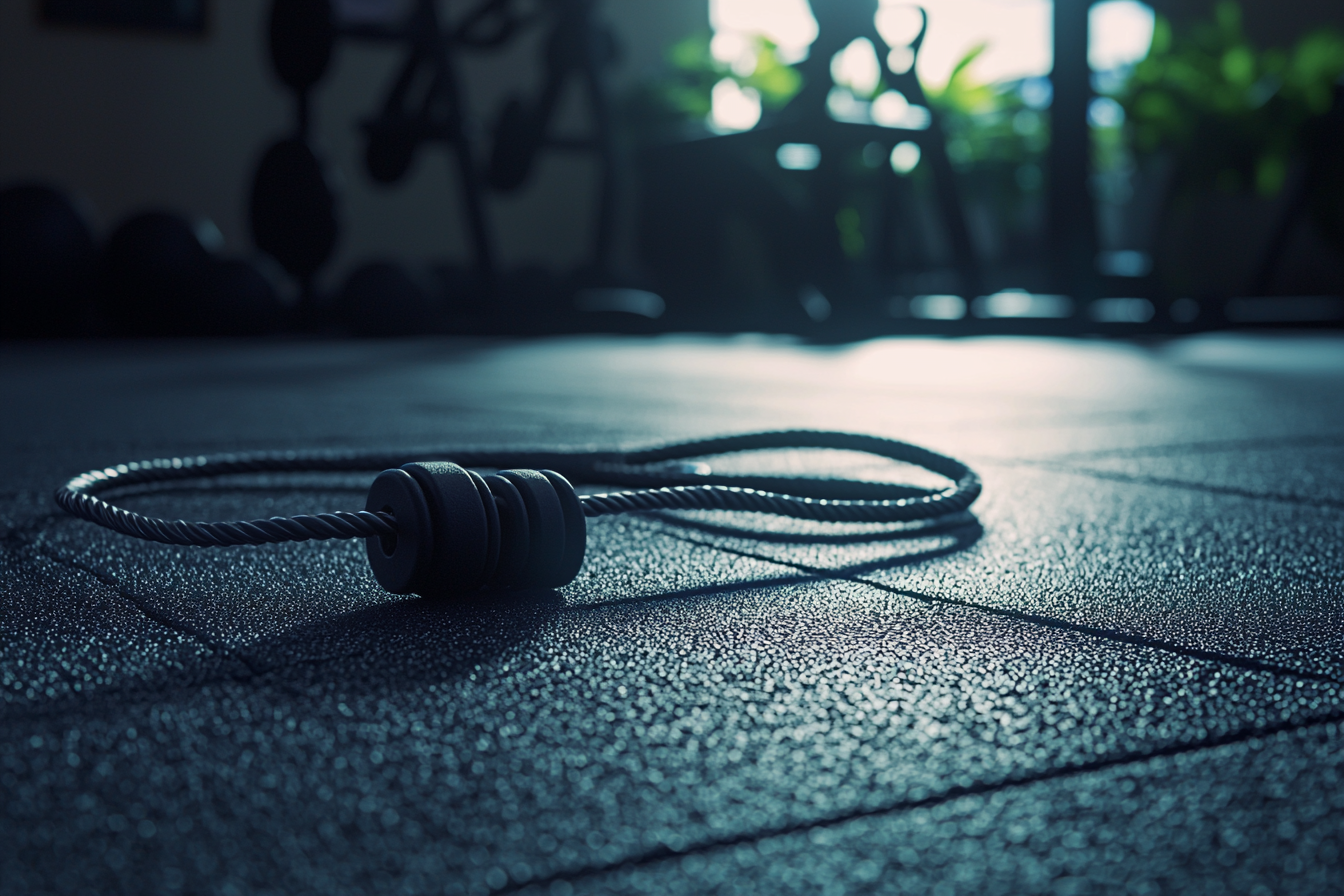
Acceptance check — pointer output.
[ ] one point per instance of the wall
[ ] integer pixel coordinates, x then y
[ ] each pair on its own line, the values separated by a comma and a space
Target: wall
131, 121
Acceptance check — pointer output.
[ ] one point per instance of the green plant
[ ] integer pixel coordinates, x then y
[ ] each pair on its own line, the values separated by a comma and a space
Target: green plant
987, 124
693, 72
1234, 115
996, 141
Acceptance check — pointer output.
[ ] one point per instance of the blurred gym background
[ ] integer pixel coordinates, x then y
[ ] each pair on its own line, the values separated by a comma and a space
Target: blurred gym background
838, 169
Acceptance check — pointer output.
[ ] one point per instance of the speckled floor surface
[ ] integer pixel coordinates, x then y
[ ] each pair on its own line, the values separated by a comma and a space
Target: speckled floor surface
1123, 674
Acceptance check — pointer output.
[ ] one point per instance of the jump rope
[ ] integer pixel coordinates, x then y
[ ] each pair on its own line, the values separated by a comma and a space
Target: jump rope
437, 528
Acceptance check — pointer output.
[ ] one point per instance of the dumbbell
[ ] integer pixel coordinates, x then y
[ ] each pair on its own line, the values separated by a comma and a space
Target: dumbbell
47, 260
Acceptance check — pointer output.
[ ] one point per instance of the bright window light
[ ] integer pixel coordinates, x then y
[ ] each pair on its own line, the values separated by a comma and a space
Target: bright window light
856, 67
900, 59
1020, 303
630, 301
815, 305
1121, 311
898, 23
735, 49
788, 24
1104, 112
1119, 34
904, 157
892, 110
1037, 92
938, 307
733, 108
1017, 34
727, 46
1124, 263
842, 105
798, 156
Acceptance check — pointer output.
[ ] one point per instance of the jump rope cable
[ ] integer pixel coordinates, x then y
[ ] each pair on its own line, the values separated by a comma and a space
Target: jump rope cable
436, 526
822, 500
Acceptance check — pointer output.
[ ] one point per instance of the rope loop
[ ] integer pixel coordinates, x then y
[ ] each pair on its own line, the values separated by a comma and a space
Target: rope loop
659, 487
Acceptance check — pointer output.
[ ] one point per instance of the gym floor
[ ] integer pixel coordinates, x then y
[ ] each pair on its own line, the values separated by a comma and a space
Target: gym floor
1122, 673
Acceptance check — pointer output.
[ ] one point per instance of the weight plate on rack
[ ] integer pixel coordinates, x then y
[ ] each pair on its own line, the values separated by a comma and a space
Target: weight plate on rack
302, 35
293, 209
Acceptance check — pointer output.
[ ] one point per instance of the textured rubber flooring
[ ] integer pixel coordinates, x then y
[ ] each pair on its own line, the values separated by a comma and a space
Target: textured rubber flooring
1121, 673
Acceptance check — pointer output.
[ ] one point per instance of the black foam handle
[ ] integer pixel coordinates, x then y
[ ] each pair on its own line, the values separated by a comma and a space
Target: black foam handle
458, 532
576, 527
545, 526
515, 537
400, 562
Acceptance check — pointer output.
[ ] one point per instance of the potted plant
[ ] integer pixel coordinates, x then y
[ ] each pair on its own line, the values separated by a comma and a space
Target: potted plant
1226, 131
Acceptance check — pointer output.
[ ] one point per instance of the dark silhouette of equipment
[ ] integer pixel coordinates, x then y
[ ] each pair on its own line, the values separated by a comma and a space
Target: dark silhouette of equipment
47, 259
384, 298
425, 104
739, 241
1318, 193
293, 207
249, 303
806, 119
1071, 219
155, 275
157, 279
293, 211
578, 47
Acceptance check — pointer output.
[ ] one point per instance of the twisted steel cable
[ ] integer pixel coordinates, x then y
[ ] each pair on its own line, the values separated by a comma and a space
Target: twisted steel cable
818, 499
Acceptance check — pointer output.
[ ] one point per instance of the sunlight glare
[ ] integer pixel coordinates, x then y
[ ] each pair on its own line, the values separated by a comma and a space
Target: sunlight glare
1119, 34
904, 158
898, 23
798, 156
890, 109
786, 23
1017, 34
857, 68
733, 108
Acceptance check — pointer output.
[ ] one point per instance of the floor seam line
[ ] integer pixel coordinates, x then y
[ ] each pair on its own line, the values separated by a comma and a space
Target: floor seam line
1208, 446
158, 618
947, 796
691, 593
1043, 621
1158, 481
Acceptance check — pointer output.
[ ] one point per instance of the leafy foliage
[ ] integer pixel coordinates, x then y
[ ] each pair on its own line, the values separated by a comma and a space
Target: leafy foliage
695, 71
1235, 115
987, 124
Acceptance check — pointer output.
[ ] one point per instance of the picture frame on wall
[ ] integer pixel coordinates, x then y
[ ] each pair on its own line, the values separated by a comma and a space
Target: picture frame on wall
182, 17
